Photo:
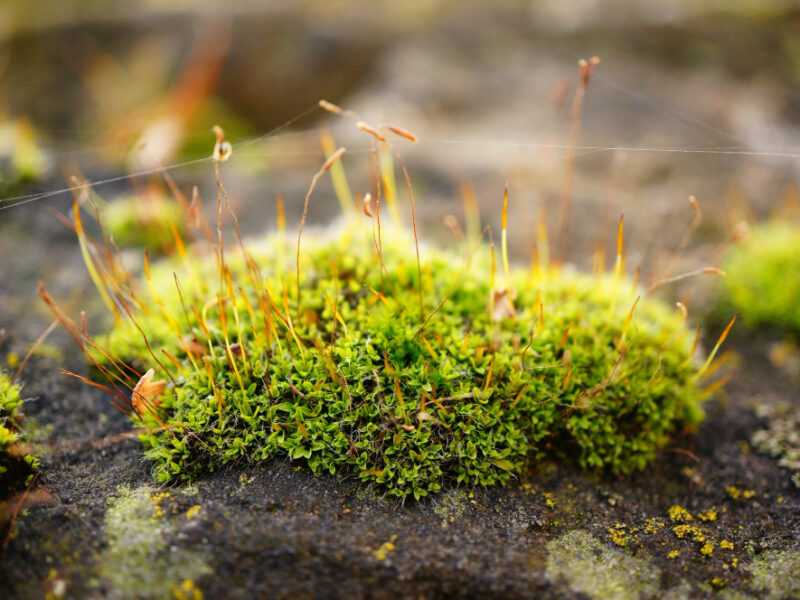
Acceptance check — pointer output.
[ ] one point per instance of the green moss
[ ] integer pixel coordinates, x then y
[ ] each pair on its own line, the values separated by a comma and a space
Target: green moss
464, 400
21, 158
588, 567
16, 464
776, 574
141, 561
763, 276
144, 220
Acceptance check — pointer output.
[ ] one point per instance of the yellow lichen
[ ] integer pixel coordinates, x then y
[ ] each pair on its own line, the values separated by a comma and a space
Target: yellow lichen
674, 554
736, 493
652, 525
726, 545
385, 548
156, 499
683, 531
707, 549
679, 514
192, 512
709, 515
618, 535
717, 582
187, 591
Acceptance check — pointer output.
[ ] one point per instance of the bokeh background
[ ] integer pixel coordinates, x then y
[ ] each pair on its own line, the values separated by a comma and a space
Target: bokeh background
691, 98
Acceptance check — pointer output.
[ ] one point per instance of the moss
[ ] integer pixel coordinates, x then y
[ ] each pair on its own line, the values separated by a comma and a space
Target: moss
345, 377
17, 463
144, 220
21, 158
781, 439
141, 561
588, 567
763, 276
776, 574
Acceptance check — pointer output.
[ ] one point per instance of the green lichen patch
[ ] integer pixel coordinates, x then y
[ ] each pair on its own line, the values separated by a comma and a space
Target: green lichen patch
359, 374
776, 574
17, 463
589, 567
142, 560
763, 276
781, 439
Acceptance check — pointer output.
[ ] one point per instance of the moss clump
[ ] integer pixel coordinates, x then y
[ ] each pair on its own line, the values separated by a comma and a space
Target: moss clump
763, 276
21, 159
16, 464
145, 220
347, 380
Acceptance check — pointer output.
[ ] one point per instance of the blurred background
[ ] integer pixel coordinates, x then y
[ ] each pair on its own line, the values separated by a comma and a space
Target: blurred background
690, 98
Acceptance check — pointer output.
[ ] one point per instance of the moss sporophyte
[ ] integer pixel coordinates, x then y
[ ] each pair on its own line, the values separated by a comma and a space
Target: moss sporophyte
354, 350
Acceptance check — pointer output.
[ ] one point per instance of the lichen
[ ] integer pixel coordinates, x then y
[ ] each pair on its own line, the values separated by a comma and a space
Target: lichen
737, 493
387, 547
141, 560
679, 514
708, 515
588, 567
776, 574
781, 439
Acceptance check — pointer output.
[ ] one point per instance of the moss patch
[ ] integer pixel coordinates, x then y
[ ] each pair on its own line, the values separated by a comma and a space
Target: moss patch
141, 561
145, 220
763, 276
353, 375
17, 464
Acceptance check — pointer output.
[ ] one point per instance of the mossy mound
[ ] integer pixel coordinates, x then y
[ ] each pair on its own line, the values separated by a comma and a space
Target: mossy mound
16, 465
763, 276
350, 381
147, 221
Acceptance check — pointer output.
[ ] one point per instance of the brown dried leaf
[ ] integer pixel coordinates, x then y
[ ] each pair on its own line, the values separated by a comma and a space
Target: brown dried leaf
146, 393
501, 304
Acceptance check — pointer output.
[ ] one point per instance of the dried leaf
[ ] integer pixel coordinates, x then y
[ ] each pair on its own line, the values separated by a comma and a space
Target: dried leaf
146, 393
